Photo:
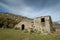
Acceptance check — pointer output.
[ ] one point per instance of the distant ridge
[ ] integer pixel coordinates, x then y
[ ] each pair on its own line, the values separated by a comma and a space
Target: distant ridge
14, 15
58, 21
11, 19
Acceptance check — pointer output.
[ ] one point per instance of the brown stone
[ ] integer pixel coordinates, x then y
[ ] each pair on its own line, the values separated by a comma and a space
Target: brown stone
42, 24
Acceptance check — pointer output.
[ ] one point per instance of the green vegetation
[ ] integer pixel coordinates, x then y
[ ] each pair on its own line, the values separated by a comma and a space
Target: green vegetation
8, 20
11, 34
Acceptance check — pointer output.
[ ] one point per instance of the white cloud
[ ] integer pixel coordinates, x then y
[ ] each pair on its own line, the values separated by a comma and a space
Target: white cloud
19, 7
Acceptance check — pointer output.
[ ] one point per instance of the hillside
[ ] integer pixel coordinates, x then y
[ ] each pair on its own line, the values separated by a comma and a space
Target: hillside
56, 25
9, 20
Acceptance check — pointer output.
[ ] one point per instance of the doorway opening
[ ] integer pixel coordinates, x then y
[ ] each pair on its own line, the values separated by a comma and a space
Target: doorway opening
22, 26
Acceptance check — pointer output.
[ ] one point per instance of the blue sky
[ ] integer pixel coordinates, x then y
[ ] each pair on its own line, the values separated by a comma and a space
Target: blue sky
32, 8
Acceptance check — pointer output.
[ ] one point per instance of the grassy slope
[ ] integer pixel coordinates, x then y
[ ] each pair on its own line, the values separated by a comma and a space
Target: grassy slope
10, 34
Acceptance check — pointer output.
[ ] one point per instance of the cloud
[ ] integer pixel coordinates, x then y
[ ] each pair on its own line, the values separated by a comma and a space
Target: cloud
21, 8
11, 5
33, 8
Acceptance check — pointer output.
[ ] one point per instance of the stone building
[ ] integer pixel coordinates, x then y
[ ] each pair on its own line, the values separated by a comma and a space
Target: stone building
42, 24
24, 24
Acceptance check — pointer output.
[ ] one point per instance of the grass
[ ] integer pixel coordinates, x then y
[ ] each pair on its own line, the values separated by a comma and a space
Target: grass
11, 34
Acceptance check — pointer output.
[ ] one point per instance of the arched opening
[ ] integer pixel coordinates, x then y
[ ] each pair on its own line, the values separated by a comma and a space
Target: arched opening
22, 26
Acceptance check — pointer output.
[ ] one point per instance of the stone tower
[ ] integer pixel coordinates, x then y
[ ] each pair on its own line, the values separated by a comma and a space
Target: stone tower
43, 24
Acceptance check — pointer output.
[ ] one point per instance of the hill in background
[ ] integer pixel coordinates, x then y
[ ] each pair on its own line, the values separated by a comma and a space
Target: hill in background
8, 20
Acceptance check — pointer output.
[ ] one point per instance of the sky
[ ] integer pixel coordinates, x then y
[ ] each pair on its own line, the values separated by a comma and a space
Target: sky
32, 8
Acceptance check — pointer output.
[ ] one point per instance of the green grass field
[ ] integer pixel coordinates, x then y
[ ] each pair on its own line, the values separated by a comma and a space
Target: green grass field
11, 34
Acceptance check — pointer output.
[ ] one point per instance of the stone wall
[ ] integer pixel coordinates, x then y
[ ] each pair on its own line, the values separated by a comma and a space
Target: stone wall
43, 24
24, 25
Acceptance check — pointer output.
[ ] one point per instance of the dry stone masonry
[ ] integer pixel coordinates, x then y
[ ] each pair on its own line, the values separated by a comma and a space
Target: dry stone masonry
42, 24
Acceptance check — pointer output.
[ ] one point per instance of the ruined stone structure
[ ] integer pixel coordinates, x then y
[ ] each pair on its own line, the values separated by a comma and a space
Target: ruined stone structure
42, 24
24, 24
